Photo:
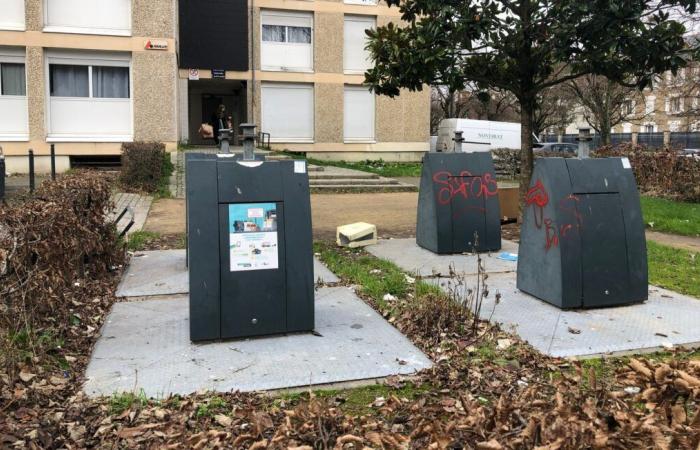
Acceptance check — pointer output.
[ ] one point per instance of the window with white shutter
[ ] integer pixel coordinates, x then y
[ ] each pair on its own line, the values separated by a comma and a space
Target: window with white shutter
355, 58
358, 115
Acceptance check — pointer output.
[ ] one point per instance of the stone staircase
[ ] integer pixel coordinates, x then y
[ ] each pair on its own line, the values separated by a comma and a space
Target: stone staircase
327, 179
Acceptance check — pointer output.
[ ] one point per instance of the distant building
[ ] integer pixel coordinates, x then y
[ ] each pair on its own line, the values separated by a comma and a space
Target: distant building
672, 104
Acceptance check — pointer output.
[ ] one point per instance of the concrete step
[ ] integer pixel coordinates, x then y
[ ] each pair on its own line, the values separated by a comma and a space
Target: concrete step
353, 181
332, 176
368, 188
312, 168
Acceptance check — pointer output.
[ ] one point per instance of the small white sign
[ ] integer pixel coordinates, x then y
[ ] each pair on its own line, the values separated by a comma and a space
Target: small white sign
626, 163
193, 75
299, 166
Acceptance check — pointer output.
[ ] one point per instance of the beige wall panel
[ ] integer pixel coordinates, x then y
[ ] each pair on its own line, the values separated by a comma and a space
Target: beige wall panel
390, 114
155, 18
34, 14
36, 92
328, 42
328, 101
155, 104
416, 115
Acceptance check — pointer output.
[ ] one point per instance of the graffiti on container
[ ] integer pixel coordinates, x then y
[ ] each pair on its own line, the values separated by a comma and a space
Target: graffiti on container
465, 184
537, 198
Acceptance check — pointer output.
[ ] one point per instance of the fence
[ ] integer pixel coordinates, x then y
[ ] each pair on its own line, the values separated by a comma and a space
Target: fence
652, 140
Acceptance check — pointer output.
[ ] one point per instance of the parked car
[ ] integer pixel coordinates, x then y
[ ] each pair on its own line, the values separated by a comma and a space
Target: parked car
555, 147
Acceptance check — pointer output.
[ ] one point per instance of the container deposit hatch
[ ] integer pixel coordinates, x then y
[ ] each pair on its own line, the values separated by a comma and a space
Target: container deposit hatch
249, 247
582, 242
458, 201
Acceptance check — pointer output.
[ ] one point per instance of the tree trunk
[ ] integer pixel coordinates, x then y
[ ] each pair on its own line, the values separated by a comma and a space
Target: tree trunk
527, 108
605, 131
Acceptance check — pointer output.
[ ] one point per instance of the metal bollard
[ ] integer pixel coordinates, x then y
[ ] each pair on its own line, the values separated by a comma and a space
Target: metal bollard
248, 141
225, 140
53, 161
459, 139
31, 170
584, 137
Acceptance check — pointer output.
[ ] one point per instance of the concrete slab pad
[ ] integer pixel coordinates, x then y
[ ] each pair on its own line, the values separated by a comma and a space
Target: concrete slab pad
163, 272
145, 345
666, 319
412, 258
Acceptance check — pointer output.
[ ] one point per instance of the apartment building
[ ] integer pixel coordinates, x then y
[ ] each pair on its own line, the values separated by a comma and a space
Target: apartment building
85, 75
295, 68
671, 104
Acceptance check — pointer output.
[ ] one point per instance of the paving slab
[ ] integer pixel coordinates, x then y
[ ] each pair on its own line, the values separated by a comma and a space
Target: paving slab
163, 272
139, 205
666, 319
145, 345
412, 258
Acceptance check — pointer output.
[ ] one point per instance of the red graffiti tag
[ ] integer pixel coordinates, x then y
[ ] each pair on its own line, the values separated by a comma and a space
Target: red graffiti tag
464, 184
537, 196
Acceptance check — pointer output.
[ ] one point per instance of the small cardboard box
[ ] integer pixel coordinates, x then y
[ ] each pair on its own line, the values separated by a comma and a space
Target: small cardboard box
356, 234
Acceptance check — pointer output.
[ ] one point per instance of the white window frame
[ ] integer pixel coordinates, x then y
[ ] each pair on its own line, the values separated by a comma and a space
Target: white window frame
361, 2
85, 30
289, 14
16, 56
112, 59
16, 26
306, 86
363, 139
354, 18
649, 104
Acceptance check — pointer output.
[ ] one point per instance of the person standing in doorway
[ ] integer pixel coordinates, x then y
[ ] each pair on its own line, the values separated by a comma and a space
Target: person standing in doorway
218, 121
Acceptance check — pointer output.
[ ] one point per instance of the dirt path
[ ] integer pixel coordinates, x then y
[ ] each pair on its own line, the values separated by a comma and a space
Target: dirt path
676, 241
394, 214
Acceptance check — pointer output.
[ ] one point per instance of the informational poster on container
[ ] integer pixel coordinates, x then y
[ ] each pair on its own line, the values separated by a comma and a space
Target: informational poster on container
253, 236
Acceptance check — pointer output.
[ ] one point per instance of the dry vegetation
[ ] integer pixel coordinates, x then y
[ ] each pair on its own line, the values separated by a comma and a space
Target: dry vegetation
487, 390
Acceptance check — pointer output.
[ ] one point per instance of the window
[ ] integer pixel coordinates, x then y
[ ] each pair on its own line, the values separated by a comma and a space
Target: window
648, 128
75, 81
12, 79
676, 105
12, 17
288, 112
287, 41
14, 123
110, 17
89, 97
627, 107
355, 58
358, 115
361, 2
649, 104
674, 126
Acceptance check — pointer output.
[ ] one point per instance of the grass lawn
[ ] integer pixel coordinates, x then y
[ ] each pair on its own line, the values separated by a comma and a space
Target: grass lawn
674, 269
671, 217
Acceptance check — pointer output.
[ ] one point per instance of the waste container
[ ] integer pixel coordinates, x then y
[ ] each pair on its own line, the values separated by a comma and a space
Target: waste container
582, 241
249, 247
458, 207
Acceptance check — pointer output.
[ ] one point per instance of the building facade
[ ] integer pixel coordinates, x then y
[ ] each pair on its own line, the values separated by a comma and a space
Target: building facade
295, 68
672, 104
86, 76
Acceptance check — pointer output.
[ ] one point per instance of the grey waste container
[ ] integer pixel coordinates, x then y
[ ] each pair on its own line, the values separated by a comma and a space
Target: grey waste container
458, 199
582, 241
249, 247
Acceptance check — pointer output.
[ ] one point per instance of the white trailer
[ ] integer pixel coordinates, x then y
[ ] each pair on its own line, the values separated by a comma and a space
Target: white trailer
479, 135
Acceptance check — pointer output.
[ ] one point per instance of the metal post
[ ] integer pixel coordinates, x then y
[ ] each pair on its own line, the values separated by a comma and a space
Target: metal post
53, 161
584, 137
248, 141
224, 140
458, 141
31, 170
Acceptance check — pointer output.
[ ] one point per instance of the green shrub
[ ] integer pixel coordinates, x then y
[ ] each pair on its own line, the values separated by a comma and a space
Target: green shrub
142, 165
